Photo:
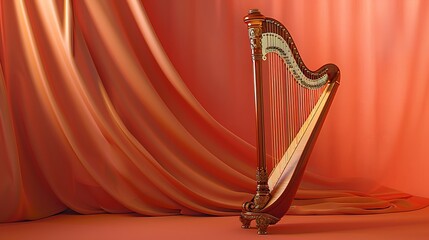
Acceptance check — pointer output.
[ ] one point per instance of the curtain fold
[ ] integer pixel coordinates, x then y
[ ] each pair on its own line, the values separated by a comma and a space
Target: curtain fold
117, 106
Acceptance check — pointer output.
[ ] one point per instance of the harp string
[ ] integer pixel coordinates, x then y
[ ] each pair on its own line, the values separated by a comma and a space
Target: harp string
290, 104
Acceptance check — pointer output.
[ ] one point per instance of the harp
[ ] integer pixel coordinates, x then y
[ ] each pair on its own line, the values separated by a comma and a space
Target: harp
291, 103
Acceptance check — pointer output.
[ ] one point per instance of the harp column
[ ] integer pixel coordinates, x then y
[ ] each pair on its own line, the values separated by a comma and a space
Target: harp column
254, 23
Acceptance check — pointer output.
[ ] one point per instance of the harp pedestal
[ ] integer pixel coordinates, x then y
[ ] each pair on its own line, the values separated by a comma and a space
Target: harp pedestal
263, 220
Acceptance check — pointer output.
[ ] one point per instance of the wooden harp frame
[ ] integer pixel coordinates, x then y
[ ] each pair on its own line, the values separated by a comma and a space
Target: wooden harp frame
268, 206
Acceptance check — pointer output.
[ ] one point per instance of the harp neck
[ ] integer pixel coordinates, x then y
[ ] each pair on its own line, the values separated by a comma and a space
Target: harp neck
262, 30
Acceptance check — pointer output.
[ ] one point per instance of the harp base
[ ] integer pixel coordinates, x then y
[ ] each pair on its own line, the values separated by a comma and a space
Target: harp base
263, 220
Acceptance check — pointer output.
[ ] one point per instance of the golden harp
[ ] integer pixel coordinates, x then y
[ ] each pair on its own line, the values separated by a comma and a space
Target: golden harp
291, 103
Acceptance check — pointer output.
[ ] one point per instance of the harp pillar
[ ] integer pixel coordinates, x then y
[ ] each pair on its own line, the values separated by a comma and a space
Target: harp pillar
254, 22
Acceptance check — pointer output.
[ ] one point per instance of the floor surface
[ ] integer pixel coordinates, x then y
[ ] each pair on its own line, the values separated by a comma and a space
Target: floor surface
405, 225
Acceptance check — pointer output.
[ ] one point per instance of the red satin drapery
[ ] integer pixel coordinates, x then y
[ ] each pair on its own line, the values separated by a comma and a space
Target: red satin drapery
118, 106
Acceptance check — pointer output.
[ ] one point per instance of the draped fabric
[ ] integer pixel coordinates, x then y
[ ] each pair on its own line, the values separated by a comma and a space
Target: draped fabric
129, 106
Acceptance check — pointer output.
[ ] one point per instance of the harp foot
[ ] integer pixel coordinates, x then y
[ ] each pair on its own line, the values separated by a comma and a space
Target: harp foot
263, 220
262, 223
245, 223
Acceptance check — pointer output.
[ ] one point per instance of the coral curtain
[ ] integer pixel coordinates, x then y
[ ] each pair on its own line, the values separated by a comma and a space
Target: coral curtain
146, 106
